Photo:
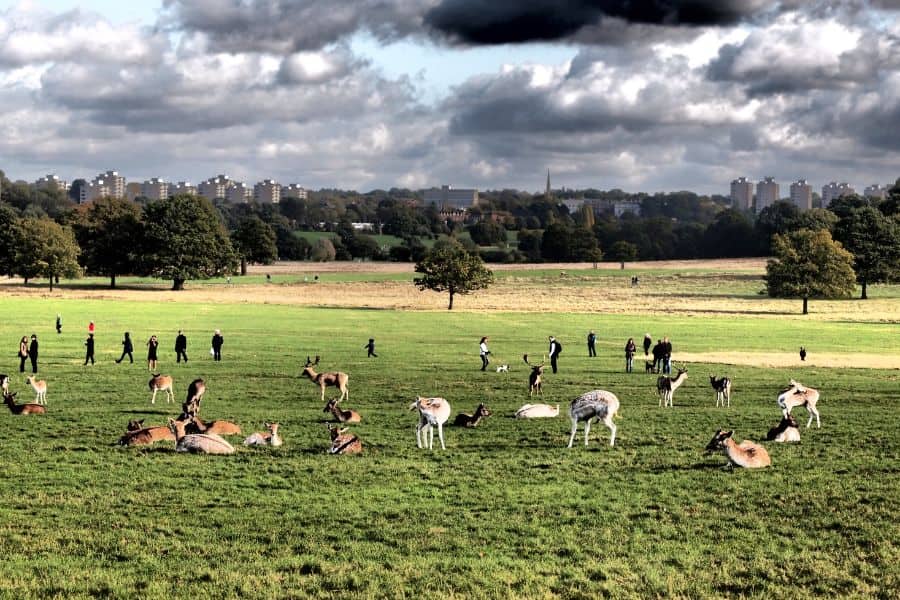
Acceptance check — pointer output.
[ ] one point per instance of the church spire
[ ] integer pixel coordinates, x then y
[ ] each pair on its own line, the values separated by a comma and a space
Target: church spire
547, 192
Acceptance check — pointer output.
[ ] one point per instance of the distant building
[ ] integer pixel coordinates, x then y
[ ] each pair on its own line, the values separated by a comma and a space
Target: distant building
766, 193
51, 182
801, 194
742, 194
835, 190
294, 190
133, 191
214, 187
109, 184
238, 192
574, 205
155, 189
876, 191
447, 198
627, 206
267, 191
182, 188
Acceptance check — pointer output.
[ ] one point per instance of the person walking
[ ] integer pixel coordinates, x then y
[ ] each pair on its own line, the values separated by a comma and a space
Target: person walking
58, 324
127, 349
152, 345
217, 341
630, 349
667, 356
555, 349
89, 349
592, 343
180, 347
33, 353
648, 341
23, 353
371, 348
483, 350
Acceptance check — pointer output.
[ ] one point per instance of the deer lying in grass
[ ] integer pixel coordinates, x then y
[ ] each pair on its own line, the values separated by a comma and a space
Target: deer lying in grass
191, 406
161, 383
433, 412
40, 388
22, 409
537, 411
666, 386
534, 378
343, 416
269, 437
197, 425
746, 454
797, 394
596, 404
323, 380
343, 442
785, 431
464, 420
138, 435
201, 443
722, 388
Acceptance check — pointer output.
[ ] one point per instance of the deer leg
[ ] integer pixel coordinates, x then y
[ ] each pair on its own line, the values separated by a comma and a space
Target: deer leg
587, 430
153, 399
612, 427
574, 430
812, 411
440, 429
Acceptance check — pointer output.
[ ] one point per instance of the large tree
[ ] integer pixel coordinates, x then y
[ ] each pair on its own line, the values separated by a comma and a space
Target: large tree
184, 238
809, 264
874, 241
255, 241
45, 248
8, 223
108, 231
448, 267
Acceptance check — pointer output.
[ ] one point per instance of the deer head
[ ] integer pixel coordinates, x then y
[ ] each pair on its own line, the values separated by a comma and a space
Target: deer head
718, 441
539, 368
134, 425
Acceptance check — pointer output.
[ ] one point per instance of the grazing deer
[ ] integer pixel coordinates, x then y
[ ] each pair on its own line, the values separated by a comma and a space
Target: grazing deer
138, 435
269, 437
798, 395
196, 425
22, 409
464, 420
666, 386
40, 388
191, 406
537, 411
343, 416
746, 454
598, 404
785, 431
343, 442
722, 388
432, 412
201, 443
534, 378
323, 380
161, 383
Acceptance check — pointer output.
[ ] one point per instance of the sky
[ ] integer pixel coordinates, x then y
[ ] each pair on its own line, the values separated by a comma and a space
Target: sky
644, 95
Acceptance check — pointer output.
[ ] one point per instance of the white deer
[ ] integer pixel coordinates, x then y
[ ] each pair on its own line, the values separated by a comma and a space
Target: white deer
598, 404
798, 395
40, 388
433, 412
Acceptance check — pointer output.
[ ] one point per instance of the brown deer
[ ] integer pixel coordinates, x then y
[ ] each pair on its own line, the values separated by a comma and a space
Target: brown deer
464, 420
323, 380
343, 442
785, 431
161, 383
197, 425
22, 409
269, 437
138, 435
343, 416
534, 378
666, 386
191, 406
746, 454
40, 388
201, 443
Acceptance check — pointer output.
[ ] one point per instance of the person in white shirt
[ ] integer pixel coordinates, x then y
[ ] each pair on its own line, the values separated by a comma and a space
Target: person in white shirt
484, 353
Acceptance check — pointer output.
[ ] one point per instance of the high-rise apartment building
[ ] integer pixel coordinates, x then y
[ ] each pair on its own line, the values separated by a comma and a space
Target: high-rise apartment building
214, 187
155, 189
294, 190
766, 193
835, 190
267, 191
182, 188
801, 194
742, 194
51, 182
238, 192
876, 191
109, 184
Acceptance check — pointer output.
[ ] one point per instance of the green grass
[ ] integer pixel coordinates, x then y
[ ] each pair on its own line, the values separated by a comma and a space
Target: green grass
506, 512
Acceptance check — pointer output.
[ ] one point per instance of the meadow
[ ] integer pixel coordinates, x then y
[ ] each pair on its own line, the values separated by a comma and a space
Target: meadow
507, 511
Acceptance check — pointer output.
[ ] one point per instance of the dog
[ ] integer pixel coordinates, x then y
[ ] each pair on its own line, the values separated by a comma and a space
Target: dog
503, 369
648, 366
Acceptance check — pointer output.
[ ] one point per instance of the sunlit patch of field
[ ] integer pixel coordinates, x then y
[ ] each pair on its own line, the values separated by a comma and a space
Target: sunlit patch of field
783, 360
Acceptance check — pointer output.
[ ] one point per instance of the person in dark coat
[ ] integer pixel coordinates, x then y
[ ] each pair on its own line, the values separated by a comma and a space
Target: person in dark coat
58, 324
217, 341
371, 348
23, 353
648, 341
152, 345
127, 349
89, 349
802, 353
630, 349
33, 353
657, 356
180, 347
667, 356
592, 343
554, 352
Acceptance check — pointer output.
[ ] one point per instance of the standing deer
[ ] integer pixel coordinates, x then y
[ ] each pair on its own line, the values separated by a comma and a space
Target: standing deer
722, 388
666, 386
191, 406
432, 412
161, 383
343, 416
40, 388
22, 409
598, 404
323, 380
797, 394
343, 442
534, 378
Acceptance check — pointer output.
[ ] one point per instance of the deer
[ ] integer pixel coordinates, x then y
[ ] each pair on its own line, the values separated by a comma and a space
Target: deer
201, 443
4, 383
797, 394
747, 454
785, 431
219, 427
40, 388
722, 388
534, 378
161, 383
343, 416
433, 412
22, 409
269, 437
323, 380
343, 442
537, 411
666, 386
464, 420
138, 435
598, 404
191, 406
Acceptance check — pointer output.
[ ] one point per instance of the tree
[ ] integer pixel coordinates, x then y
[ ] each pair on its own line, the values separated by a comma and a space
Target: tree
323, 250
184, 238
447, 267
777, 218
874, 241
254, 241
107, 230
8, 224
45, 248
622, 251
487, 233
730, 235
809, 264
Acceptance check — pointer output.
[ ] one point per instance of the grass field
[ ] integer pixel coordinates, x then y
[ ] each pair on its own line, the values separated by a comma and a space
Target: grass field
507, 511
